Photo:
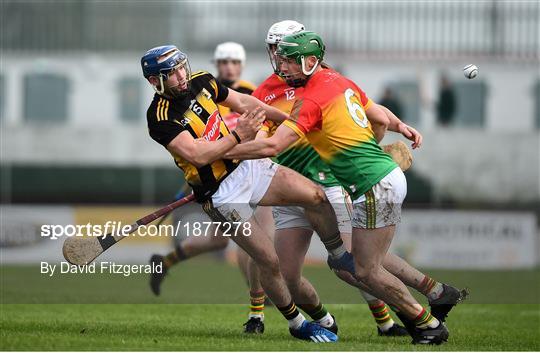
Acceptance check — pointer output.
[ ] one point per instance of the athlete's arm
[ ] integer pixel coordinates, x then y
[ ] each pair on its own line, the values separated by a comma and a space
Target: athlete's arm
264, 147
261, 134
379, 121
201, 152
399, 126
241, 103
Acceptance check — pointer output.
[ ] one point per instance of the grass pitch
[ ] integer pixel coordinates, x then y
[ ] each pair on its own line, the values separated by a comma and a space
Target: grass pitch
69, 313
150, 327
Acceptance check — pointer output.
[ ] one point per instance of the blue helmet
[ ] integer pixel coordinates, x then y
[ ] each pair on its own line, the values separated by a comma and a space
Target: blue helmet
160, 61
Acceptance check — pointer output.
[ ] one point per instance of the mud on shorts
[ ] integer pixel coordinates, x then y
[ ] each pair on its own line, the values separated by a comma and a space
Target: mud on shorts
381, 205
286, 217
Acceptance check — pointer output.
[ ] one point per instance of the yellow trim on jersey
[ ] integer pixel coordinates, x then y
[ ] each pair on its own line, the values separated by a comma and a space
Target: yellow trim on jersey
247, 84
218, 168
368, 104
197, 74
195, 122
214, 86
206, 101
158, 111
295, 128
166, 110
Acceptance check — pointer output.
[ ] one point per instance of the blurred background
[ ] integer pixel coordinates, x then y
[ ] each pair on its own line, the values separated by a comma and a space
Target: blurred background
75, 147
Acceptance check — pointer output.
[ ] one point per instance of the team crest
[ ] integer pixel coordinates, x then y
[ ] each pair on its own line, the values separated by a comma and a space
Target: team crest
206, 94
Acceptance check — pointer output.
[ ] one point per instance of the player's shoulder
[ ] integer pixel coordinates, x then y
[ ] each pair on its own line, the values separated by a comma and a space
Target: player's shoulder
270, 84
245, 87
203, 80
201, 76
324, 85
158, 110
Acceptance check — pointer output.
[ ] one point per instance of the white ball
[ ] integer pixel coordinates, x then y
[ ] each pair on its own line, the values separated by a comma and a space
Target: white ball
470, 71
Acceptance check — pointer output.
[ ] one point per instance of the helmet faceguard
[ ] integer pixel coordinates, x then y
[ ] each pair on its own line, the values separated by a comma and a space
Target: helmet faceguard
170, 90
275, 34
295, 49
163, 61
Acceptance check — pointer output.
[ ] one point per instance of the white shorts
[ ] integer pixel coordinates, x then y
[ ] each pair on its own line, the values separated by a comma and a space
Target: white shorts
238, 195
287, 217
381, 205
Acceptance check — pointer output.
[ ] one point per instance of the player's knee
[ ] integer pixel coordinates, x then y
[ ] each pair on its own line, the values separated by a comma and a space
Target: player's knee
365, 273
317, 196
292, 279
268, 262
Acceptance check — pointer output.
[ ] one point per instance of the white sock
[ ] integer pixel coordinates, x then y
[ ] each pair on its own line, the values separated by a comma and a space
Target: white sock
386, 326
326, 321
258, 316
337, 252
296, 322
436, 291
434, 323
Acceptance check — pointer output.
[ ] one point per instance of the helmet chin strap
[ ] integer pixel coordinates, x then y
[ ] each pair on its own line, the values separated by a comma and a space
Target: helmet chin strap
304, 71
160, 90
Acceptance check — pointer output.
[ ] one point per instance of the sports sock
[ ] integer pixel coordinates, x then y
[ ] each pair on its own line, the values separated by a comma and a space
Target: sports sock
425, 320
293, 316
335, 246
380, 312
174, 257
326, 321
393, 308
431, 288
319, 314
256, 306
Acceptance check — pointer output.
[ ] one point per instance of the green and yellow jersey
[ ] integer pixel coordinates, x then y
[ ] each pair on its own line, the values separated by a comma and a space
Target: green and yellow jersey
300, 156
331, 114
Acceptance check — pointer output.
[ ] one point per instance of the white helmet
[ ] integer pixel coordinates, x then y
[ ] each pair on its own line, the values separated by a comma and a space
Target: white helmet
281, 29
230, 51
275, 34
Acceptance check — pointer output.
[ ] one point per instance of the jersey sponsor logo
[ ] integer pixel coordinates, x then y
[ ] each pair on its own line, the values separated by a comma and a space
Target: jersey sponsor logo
206, 94
211, 131
269, 98
184, 122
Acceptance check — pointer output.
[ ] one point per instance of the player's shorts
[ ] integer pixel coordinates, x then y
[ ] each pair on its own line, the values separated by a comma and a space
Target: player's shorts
286, 217
238, 195
381, 205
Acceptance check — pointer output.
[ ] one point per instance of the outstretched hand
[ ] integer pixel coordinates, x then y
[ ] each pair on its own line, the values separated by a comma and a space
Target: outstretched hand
411, 134
249, 124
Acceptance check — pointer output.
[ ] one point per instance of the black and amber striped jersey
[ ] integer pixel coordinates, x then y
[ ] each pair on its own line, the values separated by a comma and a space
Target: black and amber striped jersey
241, 86
197, 113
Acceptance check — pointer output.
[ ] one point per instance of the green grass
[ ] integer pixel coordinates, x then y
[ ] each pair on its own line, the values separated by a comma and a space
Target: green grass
204, 281
112, 312
149, 327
